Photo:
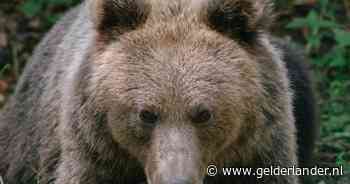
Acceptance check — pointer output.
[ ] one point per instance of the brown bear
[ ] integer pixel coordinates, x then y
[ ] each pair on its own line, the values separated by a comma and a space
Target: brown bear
154, 91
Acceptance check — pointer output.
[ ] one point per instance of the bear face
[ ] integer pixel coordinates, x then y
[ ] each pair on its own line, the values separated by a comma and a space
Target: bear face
174, 84
180, 86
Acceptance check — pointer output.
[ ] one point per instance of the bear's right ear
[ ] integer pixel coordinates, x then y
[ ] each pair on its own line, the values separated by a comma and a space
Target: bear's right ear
118, 16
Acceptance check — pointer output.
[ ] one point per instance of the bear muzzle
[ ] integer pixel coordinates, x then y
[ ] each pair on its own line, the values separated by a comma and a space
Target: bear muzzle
175, 157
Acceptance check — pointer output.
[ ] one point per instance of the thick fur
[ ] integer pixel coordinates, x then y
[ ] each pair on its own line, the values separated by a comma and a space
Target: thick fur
74, 116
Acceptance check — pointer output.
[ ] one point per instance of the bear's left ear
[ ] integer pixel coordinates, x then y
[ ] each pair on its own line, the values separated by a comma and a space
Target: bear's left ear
118, 16
239, 19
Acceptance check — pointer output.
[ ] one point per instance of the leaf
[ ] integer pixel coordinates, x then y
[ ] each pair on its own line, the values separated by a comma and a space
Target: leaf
338, 59
31, 8
297, 23
313, 21
327, 24
342, 37
53, 18
314, 41
319, 61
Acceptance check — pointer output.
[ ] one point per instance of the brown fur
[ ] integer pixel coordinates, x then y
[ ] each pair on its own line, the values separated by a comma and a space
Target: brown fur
76, 110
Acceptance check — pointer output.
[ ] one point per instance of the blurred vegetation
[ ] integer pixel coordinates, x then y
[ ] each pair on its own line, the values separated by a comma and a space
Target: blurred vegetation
325, 31
322, 27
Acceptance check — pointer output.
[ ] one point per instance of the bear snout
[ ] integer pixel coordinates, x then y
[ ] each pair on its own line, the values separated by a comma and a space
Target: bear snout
175, 157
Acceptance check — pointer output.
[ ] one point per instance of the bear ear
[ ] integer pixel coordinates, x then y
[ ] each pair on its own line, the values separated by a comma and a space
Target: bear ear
240, 19
118, 16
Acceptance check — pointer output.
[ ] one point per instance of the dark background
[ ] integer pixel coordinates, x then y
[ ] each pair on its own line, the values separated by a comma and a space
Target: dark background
321, 27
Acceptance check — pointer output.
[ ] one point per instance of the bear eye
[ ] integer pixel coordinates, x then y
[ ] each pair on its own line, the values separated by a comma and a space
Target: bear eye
200, 114
149, 117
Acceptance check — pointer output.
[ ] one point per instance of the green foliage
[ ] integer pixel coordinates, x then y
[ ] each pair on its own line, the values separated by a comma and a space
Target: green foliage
341, 161
315, 24
32, 7
328, 47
